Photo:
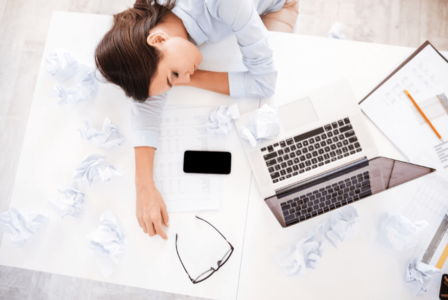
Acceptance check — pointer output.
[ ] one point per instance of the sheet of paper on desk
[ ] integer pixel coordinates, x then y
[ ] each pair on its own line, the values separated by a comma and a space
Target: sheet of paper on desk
184, 129
426, 79
427, 200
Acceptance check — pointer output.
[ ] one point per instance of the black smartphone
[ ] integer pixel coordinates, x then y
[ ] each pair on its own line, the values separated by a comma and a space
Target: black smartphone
443, 294
207, 162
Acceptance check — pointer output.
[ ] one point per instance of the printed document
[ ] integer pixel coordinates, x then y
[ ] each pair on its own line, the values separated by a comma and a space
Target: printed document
184, 129
425, 76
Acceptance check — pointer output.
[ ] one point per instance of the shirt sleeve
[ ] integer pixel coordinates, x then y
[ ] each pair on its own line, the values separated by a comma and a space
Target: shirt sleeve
252, 37
145, 120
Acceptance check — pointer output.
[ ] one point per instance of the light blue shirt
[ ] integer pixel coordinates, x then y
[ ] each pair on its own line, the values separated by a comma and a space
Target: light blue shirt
210, 21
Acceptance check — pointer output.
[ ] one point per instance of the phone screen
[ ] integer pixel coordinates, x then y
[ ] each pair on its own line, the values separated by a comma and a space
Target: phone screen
207, 162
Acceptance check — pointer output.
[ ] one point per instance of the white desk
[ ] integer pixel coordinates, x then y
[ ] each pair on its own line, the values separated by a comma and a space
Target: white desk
51, 149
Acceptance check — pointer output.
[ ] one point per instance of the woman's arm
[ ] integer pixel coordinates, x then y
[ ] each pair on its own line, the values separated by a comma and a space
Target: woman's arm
151, 210
217, 82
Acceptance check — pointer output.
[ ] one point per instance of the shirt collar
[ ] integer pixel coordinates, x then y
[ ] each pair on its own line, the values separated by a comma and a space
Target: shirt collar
192, 27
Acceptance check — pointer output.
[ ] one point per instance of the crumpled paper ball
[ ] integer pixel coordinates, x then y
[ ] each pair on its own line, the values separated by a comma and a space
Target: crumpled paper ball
108, 137
418, 275
87, 87
337, 31
342, 226
92, 167
65, 96
264, 123
70, 203
304, 254
220, 119
61, 65
401, 232
21, 225
107, 241
87, 81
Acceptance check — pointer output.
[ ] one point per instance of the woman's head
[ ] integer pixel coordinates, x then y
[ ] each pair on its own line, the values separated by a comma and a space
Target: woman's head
141, 62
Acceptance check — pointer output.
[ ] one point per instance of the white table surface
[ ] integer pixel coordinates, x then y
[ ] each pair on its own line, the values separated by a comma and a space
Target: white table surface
356, 270
52, 148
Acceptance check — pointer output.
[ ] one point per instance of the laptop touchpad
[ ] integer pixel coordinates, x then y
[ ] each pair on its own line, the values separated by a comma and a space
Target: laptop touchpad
297, 113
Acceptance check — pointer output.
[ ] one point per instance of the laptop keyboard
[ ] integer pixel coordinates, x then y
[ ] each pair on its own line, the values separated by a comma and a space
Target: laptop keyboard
325, 199
310, 150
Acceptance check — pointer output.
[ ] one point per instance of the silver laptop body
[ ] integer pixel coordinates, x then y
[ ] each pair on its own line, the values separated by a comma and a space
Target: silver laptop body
323, 157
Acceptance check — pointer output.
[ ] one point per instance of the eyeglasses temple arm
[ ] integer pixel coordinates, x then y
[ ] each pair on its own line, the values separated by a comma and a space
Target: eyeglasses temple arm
182, 262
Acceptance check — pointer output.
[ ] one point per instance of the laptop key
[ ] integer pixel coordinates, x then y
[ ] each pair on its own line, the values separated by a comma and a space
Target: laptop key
295, 174
290, 162
358, 150
263, 149
270, 148
346, 121
290, 217
286, 207
289, 170
293, 148
275, 181
327, 127
282, 172
283, 164
271, 162
295, 167
353, 139
270, 156
282, 178
275, 175
280, 152
271, 169
349, 133
334, 125
341, 123
277, 167
346, 128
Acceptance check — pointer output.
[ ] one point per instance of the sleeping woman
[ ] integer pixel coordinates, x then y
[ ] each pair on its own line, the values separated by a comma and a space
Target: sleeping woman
153, 47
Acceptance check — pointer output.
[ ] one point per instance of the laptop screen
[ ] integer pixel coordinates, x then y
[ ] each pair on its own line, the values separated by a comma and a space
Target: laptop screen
341, 187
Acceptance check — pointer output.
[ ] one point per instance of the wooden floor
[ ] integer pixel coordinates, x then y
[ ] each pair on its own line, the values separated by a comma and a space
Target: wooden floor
23, 29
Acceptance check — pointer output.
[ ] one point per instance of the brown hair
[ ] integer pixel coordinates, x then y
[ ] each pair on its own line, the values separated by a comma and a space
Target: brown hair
123, 56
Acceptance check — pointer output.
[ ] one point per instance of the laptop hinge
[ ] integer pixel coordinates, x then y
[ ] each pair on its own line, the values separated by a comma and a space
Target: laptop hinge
296, 184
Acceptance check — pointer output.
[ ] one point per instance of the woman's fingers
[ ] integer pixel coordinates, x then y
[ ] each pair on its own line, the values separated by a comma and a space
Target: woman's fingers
166, 219
150, 227
159, 230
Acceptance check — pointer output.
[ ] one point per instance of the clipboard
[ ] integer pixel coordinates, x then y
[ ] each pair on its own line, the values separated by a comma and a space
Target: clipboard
402, 65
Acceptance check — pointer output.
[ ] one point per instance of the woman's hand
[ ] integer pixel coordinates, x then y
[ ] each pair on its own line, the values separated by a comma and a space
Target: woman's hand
151, 210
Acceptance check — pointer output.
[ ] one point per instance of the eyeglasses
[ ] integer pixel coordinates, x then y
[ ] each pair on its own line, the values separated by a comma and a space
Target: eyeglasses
210, 272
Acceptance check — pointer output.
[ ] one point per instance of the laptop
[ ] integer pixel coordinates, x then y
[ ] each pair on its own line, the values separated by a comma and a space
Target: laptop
323, 158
